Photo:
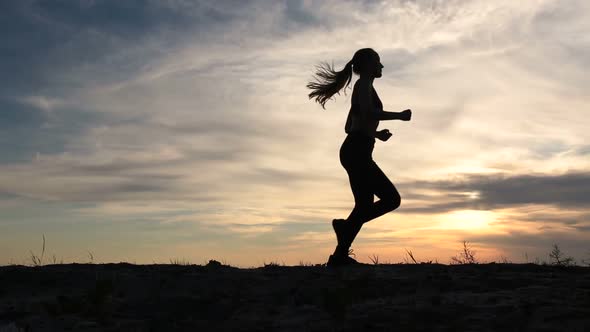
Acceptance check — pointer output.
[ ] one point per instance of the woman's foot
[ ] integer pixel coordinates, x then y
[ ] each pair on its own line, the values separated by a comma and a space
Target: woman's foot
342, 260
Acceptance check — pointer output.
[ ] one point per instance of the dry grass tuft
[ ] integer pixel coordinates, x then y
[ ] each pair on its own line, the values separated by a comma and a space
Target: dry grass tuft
466, 256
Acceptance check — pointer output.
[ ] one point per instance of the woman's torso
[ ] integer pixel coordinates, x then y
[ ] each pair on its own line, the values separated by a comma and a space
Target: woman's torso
356, 122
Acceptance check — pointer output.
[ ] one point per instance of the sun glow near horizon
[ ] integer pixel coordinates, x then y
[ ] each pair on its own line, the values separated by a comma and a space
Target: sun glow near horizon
471, 220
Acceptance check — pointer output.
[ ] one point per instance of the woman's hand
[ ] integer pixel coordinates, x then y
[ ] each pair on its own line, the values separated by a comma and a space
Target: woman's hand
406, 115
383, 135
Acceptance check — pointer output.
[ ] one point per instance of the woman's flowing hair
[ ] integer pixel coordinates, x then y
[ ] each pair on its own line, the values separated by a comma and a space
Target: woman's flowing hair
329, 82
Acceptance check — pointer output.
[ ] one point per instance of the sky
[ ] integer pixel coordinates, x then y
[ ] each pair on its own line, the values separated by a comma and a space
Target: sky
151, 131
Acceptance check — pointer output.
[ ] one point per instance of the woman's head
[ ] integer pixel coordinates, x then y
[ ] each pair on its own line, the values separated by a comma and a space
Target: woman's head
365, 62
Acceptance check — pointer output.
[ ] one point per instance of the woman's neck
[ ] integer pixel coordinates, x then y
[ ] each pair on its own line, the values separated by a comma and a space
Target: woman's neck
366, 77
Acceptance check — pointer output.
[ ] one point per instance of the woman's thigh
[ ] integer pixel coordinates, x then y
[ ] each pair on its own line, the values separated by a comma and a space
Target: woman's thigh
379, 183
361, 185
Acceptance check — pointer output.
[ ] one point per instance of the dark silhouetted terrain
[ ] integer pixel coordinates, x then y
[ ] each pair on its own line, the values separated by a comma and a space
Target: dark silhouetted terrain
402, 297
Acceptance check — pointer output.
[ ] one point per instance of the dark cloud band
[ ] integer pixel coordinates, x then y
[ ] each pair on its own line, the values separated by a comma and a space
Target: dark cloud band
500, 191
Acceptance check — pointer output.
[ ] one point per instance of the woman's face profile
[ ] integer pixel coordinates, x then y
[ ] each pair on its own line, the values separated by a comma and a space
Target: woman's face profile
377, 66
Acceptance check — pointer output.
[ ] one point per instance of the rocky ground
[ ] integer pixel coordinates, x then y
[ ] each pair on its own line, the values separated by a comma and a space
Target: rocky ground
401, 297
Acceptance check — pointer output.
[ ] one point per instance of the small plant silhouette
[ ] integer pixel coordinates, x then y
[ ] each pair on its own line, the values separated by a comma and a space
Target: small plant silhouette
90, 257
306, 264
410, 257
559, 258
178, 261
505, 260
38, 260
375, 259
274, 264
466, 256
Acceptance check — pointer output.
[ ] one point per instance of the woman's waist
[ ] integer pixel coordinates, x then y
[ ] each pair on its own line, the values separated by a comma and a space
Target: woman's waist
360, 124
360, 135
359, 139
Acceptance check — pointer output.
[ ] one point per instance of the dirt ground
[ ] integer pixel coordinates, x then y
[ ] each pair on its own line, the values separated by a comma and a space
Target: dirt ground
400, 297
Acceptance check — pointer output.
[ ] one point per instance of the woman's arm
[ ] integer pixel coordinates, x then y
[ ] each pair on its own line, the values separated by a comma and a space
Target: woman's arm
382, 115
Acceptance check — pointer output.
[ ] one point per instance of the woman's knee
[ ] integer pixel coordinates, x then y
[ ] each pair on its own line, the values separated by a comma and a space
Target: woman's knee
394, 201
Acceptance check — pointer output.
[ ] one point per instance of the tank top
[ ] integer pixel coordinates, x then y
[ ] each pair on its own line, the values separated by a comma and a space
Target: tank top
352, 122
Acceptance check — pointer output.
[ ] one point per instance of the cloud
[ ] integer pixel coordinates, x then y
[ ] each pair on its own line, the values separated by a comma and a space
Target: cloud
228, 87
567, 190
488, 192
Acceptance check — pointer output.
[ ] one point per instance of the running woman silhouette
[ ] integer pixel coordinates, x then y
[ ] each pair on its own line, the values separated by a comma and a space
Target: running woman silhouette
366, 178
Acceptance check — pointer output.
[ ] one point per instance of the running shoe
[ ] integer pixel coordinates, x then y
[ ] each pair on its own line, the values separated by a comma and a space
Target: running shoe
340, 260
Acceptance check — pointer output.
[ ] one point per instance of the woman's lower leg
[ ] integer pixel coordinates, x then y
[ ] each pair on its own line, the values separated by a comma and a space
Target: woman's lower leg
357, 219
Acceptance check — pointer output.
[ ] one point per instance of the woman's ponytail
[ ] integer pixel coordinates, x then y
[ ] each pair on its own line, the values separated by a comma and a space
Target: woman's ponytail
329, 82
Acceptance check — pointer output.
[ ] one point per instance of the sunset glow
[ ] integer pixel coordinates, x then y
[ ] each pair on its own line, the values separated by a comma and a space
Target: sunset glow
471, 220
